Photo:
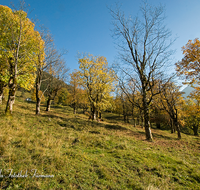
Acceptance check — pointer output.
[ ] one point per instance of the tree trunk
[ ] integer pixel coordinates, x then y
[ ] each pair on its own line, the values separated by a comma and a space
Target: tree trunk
38, 101
134, 122
177, 125
94, 114
127, 119
177, 128
172, 126
11, 96
179, 131
124, 118
2, 86
93, 111
1, 98
38, 98
147, 124
124, 113
195, 130
48, 104
99, 115
74, 109
147, 128
149, 136
142, 122
10, 102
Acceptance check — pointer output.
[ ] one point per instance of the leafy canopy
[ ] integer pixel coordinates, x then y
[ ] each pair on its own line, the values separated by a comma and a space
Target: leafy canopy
97, 79
19, 42
190, 64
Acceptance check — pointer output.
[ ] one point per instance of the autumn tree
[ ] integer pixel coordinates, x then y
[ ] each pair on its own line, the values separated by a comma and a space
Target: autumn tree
33, 95
48, 61
3, 76
83, 102
58, 75
78, 96
19, 43
62, 97
97, 79
189, 66
144, 45
42, 64
75, 93
192, 111
171, 101
192, 115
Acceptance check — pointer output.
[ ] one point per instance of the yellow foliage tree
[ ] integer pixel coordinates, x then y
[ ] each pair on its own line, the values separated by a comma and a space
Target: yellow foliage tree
190, 64
97, 79
18, 49
33, 96
192, 115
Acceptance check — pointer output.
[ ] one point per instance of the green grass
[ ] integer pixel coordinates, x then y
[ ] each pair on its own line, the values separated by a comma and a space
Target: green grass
82, 154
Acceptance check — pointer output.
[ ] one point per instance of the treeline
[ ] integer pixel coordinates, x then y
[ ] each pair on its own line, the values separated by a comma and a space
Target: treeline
139, 86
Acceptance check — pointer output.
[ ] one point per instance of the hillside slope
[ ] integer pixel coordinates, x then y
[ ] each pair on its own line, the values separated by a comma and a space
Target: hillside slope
74, 153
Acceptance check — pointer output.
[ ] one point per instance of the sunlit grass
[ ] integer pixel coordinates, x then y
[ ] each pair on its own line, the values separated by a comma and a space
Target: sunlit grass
82, 154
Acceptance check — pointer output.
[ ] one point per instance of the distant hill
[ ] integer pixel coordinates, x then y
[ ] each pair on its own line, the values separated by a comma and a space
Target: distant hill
187, 90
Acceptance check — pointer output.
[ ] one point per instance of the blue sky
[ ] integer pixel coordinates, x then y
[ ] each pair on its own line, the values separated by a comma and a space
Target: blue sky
85, 25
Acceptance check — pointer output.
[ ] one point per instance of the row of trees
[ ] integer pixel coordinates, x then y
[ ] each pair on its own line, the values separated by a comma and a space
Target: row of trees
28, 58
145, 89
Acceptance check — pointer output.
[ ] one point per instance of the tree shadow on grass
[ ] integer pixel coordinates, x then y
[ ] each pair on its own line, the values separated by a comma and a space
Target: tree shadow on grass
114, 119
115, 127
161, 136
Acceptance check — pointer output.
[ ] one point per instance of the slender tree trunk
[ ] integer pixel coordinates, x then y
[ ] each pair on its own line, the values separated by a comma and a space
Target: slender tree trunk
172, 126
38, 101
38, 98
149, 136
134, 122
48, 104
124, 118
127, 119
179, 131
177, 126
124, 113
74, 109
142, 121
94, 114
11, 96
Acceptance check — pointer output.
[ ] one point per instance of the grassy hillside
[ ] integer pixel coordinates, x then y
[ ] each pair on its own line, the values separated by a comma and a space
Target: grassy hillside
85, 155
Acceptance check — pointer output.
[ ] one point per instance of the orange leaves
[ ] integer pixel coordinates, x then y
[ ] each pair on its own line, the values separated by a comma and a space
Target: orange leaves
190, 64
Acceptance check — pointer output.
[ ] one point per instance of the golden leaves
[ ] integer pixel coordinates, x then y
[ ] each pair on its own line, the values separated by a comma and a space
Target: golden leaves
190, 64
97, 79
21, 42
